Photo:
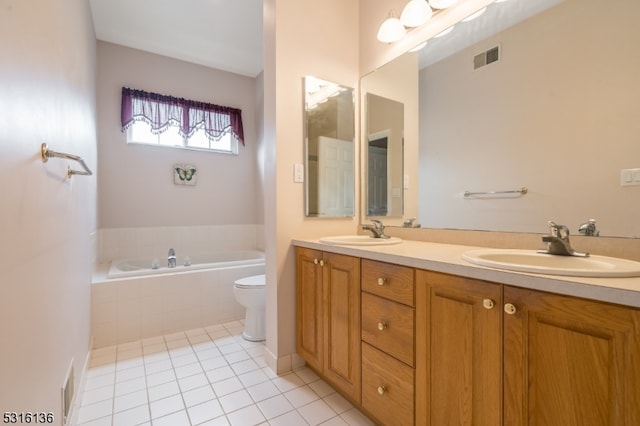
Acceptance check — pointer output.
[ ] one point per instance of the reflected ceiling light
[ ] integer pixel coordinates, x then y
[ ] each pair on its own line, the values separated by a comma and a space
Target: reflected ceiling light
474, 15
445, 32
442, 4
391, 29
418, 47
415, 13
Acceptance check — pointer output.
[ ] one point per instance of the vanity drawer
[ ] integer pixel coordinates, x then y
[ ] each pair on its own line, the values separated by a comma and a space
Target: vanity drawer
387, 387
394, 282
389, 326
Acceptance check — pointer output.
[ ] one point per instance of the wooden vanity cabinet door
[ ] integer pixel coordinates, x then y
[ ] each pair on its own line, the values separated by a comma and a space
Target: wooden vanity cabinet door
458, 351
341, 286
309, 307
570, 361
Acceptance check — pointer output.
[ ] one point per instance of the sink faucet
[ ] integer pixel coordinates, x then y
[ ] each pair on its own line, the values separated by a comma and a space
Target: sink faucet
376, 228
558, 242
171, 258
589, 228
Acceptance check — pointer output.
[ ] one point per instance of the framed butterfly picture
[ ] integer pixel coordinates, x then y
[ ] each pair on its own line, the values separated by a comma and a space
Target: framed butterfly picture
184, 174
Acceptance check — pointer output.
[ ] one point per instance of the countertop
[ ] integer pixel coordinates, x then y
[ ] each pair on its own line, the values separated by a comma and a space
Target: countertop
447, 258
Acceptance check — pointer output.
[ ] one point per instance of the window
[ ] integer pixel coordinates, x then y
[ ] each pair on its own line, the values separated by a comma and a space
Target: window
150, 118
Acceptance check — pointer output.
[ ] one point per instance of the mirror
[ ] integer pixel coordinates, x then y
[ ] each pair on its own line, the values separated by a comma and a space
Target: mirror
384, 156
329, 127
557, 113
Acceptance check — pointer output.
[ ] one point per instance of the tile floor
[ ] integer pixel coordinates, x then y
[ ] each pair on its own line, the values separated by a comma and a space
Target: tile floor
206, 376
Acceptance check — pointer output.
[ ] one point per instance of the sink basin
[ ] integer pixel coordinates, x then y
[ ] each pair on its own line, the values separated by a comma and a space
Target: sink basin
359, 240
540, 263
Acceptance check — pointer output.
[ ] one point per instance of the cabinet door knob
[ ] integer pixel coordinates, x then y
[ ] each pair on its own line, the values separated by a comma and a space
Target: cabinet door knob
488, 303
321, 262
510, 308
382, 281
381, 390
315, 261
382, 325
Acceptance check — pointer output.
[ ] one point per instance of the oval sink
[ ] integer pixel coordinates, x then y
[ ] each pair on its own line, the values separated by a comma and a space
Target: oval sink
540, 263
359, 240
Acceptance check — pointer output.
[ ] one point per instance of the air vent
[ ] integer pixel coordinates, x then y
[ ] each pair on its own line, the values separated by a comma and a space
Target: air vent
487, 57
67, 394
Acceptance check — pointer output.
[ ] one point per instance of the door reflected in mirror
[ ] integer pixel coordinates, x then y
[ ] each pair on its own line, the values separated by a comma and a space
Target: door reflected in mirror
384, 157
329, 122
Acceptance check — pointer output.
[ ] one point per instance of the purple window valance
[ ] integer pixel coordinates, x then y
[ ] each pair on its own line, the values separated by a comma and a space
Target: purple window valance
162, 111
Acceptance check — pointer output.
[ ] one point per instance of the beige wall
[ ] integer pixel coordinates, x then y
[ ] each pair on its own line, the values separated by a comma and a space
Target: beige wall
136, 186
47, 86
321, 41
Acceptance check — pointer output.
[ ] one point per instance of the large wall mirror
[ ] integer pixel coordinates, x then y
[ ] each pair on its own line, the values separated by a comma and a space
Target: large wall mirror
557, 111
329, 122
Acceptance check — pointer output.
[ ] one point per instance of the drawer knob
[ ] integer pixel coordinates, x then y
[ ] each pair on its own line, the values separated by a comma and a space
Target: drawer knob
382, 281
381, 390
510, 308
382, 326
488, 303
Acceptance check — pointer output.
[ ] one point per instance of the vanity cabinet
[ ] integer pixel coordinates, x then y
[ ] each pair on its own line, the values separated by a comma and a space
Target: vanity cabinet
328, 317
388, 342
496, 354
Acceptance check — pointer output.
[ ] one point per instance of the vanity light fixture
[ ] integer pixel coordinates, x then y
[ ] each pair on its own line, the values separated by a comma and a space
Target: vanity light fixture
391, 29
442, 4
415, 14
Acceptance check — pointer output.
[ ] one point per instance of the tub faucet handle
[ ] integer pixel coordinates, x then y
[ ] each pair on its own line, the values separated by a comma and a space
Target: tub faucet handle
171, 258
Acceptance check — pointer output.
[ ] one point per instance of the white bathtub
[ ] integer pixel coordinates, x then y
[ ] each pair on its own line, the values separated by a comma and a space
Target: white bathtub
131, 301
211, 260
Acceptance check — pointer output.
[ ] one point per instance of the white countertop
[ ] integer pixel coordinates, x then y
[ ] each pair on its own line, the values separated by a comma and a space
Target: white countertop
447, 258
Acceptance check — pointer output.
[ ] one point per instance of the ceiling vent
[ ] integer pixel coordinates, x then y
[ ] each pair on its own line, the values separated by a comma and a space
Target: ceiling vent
487, 57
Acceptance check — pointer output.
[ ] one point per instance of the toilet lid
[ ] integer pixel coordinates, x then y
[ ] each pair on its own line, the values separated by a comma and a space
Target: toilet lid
251, 282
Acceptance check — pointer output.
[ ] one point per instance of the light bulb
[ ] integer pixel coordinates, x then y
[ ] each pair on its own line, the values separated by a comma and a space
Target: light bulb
415, 13
442, 4
391, 30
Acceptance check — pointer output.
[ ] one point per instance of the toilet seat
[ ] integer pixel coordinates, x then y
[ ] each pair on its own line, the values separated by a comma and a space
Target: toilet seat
252, 282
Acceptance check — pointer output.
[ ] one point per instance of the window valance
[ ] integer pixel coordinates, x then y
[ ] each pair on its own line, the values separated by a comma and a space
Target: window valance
162, 111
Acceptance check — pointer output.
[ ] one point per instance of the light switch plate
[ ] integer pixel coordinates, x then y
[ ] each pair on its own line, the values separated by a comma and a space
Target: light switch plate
298, 172
629, 177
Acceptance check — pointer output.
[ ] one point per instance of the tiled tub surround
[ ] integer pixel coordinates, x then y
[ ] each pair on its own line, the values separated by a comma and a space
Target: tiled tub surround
154, 242
134, 308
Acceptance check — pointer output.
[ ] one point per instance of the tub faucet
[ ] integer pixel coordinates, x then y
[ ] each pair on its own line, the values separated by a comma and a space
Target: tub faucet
558, 242
171, 258
376, 228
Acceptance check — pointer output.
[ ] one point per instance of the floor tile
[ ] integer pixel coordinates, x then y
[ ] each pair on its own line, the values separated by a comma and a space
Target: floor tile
207, 377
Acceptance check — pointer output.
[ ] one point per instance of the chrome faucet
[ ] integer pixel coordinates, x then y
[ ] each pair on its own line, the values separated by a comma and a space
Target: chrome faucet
589, 228
376, 228
410, 223
171, 258
558, 242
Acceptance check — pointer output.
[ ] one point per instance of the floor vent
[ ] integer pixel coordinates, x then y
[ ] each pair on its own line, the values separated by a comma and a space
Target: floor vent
67, 394
487, 57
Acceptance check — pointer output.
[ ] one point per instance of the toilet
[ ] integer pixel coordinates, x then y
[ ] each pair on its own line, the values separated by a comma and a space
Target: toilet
250, 293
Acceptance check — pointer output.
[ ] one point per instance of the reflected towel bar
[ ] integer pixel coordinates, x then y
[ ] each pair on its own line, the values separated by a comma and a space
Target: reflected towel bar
47, 153
520, 191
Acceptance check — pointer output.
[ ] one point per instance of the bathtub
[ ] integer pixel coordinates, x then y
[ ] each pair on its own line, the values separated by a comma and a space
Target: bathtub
131, 301
211, 260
